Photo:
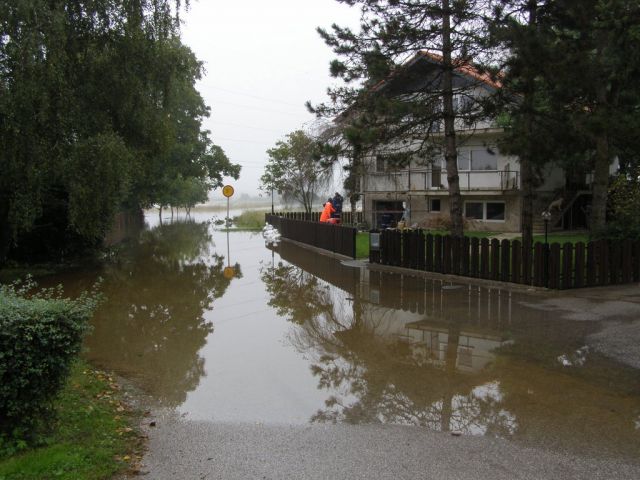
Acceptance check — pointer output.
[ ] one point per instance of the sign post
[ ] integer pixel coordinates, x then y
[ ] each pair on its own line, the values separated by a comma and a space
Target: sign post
227, 191
228, 272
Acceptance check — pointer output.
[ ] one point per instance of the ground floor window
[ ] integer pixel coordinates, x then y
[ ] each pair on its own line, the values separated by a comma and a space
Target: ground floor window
434, 205
492, 211
386, 214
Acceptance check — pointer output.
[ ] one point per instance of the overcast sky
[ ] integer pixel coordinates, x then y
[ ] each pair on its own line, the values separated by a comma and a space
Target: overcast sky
263, 61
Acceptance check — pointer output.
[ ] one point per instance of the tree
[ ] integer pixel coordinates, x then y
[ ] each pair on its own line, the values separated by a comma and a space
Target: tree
522, 98
573, 66
396, 106
294, 169
98, 112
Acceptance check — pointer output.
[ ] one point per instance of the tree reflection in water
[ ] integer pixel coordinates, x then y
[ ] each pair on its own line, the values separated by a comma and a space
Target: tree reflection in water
391, 348
379, 378
158, 291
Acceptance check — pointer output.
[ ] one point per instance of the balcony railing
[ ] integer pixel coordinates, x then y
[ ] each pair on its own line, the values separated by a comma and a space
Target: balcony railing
435, 179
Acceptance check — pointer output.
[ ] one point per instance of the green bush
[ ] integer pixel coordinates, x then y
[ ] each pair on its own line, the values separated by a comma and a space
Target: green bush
40, 334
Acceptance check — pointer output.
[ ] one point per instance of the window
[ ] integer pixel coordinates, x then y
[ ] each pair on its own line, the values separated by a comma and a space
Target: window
483, 160
489, 211
463, 160
477, 160
474, 210
495, 211
434, 205
380, 164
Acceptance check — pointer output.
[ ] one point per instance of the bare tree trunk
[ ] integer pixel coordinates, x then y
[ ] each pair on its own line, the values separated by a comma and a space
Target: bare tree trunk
450, 145
600, 184
527, 179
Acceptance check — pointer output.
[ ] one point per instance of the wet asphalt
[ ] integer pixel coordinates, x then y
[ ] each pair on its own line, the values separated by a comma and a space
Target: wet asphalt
200, 450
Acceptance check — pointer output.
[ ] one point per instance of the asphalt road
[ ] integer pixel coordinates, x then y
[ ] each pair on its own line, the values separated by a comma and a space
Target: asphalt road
198, 450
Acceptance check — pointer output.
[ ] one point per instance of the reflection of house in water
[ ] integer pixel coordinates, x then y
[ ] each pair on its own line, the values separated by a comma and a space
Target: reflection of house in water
430, 315
443, 323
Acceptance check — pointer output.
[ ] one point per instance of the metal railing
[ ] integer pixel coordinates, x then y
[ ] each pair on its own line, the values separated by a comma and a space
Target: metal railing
436, 179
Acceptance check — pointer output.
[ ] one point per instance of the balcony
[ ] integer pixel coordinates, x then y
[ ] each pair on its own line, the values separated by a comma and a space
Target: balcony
433, 180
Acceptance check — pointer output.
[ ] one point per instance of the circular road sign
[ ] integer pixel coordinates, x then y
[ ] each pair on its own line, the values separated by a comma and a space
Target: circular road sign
228, 273
227, 191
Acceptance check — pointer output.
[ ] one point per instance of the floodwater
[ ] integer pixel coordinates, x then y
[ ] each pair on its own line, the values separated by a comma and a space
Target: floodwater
222, 328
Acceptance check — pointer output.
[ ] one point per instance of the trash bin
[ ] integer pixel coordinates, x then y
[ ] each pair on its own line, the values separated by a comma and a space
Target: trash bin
374, 246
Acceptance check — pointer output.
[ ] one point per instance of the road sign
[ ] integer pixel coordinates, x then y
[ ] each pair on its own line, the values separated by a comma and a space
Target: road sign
227, 191
228, 273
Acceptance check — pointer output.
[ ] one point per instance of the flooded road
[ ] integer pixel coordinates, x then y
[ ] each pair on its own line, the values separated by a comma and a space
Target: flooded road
221, 328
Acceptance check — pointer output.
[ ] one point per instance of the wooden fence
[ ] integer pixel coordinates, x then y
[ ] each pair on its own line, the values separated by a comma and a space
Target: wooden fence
601, 262
347, 218
334, 238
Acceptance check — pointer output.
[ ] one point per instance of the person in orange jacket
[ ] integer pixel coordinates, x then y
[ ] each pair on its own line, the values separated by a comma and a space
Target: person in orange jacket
328, 210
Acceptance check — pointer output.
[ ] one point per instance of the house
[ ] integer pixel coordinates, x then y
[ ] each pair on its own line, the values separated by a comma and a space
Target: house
490, 182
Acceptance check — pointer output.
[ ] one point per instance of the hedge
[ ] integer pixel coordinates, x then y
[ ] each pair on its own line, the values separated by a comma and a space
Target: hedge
40, 335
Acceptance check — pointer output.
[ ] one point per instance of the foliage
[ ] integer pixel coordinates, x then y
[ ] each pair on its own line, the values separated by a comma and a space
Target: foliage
161, 286
571, 77
407, 62
40, 335
91, 438
294, 169
624, 204
98, 111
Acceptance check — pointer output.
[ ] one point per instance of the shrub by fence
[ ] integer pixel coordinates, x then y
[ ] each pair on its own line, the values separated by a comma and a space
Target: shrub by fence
39, 338
601, 262
334, 238
348, 218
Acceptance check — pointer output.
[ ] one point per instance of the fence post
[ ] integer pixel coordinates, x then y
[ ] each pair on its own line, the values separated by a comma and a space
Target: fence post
465, 256
539, 254
579, 265
554, 266
603, 262
437, 264
591, 264
446, 254
627, 260
516, 261
615, 268
636, 261
406, 248
428, 266
505, 257
475, 256
420, 253
495, 259
456, 244
484, 258
527, 261
567, 265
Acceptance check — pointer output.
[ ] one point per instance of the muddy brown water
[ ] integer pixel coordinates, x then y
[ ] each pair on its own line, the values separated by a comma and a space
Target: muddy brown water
293, 337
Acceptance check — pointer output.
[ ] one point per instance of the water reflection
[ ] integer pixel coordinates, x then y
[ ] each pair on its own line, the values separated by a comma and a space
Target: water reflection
154, 321
389, 348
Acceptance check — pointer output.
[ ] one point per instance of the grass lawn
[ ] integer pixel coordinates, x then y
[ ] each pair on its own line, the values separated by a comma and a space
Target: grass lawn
92, 437
562, 238
362, 239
